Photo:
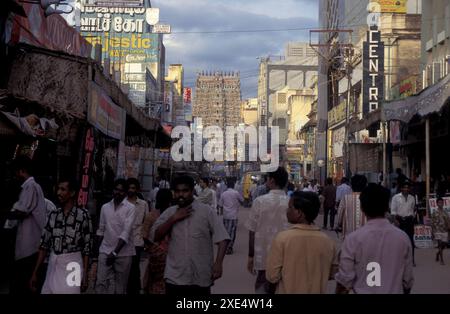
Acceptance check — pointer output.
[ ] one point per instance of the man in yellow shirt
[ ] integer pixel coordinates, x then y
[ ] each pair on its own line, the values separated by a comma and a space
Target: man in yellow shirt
302, 259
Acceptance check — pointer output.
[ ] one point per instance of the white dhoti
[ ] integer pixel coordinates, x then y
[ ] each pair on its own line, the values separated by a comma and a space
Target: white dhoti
64, 274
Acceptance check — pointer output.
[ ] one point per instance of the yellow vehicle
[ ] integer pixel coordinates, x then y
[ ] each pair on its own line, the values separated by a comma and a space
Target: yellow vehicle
247, 184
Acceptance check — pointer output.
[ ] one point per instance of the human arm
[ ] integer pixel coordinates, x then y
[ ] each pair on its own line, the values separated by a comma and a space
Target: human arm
274, 264
40, 260
217, 267
251, 225
408, 273
347, 273
166, 221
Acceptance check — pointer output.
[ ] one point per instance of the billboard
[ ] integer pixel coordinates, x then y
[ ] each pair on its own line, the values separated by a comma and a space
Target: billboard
393, 6
105, 115
373, 71
123, 33
115, 3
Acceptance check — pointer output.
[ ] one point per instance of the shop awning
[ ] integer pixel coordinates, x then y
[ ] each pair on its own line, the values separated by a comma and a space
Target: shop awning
428, 101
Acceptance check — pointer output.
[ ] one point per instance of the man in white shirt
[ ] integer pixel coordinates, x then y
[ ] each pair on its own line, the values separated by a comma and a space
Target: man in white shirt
30, 213
230, 201
342, 190
403, 208
117, 244
206, 195
141, 210
267, 217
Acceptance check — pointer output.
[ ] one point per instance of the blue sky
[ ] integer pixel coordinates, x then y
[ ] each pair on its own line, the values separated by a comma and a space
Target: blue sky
232, 51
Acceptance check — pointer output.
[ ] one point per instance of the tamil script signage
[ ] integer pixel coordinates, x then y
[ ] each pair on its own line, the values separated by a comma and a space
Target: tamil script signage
373, 73
105, 115
393, 6
161, 29
124, 33
86, 171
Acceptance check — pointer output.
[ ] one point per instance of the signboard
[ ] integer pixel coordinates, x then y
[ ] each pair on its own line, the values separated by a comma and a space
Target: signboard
124, 33
338, 142
133, 77
373, 73
423, 238
407, 87
338, 113
88, 158
433, 204
161, 29
51, 32
187, 95
152, 16
393, 6
105, 115
115, 3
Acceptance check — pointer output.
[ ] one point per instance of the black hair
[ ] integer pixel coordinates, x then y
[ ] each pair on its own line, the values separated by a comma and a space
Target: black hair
329, 181
406, 183
164, 199
121, 182
205, 179
187, 180
439, 199
344, 180
308, 203
291, 186
22, 163
375, 200
230, 183
134, 181
280, 177
359, 182
72, 184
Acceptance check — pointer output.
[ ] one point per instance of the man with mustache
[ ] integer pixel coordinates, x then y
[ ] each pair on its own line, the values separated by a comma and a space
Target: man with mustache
193, 228
68, 237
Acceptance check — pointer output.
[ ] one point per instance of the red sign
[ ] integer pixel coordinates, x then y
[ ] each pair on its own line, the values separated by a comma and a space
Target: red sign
88, 153
51, 32
187, 92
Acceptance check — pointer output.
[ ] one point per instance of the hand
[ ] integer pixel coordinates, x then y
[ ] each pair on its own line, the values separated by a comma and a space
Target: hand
250, 265
182, 213
84, 283
217, 271
33, 283
110, 259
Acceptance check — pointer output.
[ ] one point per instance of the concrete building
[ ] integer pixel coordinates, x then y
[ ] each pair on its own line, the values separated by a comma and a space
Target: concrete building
400, 34
249, 112
217, 99
175, 75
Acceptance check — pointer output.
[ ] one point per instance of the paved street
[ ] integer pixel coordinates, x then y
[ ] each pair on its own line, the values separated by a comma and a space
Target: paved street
430, 277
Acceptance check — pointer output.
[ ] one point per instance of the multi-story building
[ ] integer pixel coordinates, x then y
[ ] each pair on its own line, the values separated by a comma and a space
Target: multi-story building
341, 101
249, 112
217, 99
175, 75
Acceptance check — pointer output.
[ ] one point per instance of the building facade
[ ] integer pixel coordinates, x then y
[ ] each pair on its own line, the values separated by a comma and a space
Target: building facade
217, 99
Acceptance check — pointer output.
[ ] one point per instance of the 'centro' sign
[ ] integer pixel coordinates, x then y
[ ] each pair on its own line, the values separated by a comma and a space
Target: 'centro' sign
373, 77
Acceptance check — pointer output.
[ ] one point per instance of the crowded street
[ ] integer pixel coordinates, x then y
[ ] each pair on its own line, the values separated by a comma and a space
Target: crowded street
200, 148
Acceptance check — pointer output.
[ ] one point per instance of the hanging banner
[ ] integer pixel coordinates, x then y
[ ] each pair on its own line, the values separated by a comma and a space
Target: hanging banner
86, 171
373, 71
395, 132
105, 115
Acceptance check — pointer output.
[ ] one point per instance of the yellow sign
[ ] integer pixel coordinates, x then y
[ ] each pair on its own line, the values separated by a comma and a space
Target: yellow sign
393, 6
338, 113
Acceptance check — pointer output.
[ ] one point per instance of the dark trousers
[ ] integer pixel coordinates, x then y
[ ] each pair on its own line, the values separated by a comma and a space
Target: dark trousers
332, 212
407, 225
187, 290
134, 280
21, 275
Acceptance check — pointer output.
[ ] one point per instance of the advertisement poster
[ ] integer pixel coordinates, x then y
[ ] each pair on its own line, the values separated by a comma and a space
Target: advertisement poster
433, 204
423, 238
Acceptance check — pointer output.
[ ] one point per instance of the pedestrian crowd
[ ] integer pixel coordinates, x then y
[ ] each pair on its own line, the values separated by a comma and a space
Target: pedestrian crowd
166, 245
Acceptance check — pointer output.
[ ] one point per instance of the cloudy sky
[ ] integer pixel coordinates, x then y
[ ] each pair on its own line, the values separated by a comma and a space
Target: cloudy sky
232, 51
